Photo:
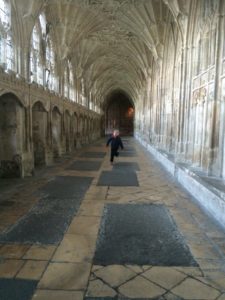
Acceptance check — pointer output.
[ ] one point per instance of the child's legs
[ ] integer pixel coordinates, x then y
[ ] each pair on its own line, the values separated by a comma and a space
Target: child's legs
112, 155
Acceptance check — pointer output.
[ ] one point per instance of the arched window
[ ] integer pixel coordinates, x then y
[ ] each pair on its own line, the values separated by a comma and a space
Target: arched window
71, 84
36, 68
6, 44
66, 82
91, 105
83, 98
42, 58
5, 13
69, 90
52, 81
37, 51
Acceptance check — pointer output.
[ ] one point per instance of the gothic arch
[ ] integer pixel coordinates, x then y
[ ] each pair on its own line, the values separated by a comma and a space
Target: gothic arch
39, 133
67, 129
12, 135
56, 132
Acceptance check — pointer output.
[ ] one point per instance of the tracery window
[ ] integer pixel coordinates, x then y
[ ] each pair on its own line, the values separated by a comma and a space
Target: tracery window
52, 81
69, 90
6, 44
71, 84
5, 13
37, 51
42, 58
66, 82
36, 68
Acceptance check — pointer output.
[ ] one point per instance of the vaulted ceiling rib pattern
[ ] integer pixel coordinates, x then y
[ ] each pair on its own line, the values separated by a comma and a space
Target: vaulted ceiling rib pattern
110, 43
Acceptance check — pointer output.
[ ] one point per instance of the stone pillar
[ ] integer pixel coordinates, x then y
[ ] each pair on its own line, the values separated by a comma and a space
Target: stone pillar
215, 166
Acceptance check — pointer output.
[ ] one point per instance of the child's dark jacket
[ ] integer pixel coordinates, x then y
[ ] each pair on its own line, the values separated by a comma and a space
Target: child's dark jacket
115, 142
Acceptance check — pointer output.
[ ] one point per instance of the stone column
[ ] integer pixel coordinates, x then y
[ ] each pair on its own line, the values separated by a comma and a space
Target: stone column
214, 159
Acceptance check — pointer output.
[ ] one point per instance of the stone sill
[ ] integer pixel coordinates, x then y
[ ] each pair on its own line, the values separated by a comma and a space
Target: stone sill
208, 191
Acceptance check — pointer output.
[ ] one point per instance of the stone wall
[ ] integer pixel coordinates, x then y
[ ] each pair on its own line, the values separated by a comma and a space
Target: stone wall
37, 126
182, 109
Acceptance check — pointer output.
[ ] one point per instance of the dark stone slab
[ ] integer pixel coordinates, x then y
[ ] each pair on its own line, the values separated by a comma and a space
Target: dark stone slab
10, 168
140, 234
126, 166
65, 187
100, 144
47, 221
118, 178
99, 298
128, 153
85, 166
93, 154
17, 289
7, 203
125, 298
128, 148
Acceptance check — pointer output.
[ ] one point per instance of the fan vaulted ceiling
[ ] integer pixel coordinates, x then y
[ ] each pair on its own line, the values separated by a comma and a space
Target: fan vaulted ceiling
110, 43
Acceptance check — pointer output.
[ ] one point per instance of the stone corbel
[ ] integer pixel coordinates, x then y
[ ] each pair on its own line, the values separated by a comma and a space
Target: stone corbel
202, 95
195, 100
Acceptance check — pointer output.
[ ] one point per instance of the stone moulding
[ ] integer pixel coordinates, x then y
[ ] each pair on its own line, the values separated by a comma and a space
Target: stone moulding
210, 198
27, 92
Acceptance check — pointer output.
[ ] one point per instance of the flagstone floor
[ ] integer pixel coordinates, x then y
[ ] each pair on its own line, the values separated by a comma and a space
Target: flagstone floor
66, 269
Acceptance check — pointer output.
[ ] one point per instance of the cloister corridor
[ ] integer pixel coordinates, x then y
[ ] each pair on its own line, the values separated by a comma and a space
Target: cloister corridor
75, 225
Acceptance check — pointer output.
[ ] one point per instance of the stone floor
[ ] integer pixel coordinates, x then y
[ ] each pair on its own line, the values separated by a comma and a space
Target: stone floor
66, 270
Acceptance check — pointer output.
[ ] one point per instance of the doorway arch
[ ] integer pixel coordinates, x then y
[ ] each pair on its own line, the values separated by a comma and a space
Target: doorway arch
56, 132
39, 127
12, 135
119, 113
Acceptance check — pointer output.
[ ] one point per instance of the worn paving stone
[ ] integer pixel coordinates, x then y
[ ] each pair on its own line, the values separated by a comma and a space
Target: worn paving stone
164, 276
42, 252
145, 235
191, 271
210, 264
16, 289
95, 268
139, 287
170, 296
136, 269
65, 276
84, 225
13, 251
32, 270
216, 278
85, 166
10, 267
115, 275
90, 208
204, 251
118, 178
98, 288
75, 248
96, 193
194, 289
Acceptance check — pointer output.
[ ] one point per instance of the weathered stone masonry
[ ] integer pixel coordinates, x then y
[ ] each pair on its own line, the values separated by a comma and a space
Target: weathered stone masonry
37, 126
